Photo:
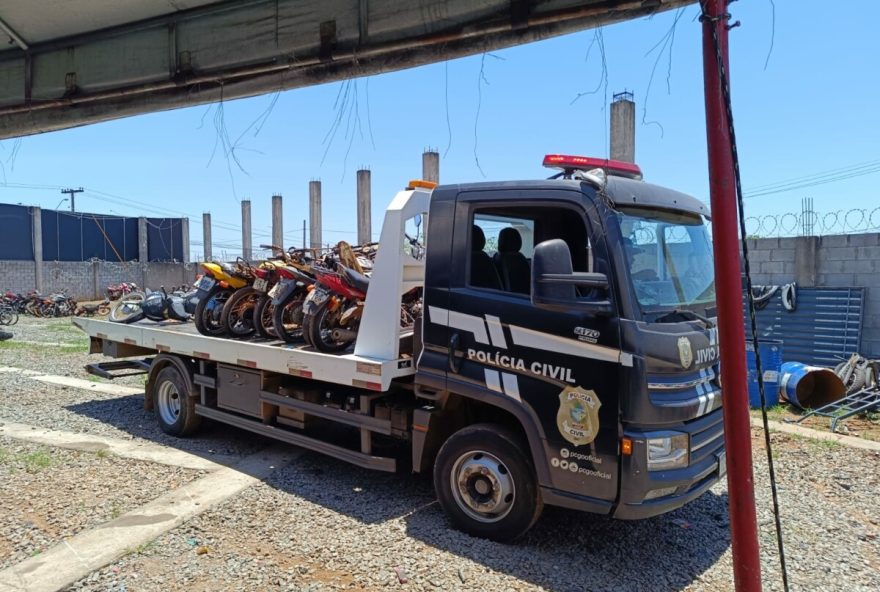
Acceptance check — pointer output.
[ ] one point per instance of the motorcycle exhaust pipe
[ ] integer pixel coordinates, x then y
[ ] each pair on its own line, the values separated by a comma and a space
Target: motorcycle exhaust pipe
343, 335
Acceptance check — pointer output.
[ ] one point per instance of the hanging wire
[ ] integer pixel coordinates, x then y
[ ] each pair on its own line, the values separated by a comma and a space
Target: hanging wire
725, 89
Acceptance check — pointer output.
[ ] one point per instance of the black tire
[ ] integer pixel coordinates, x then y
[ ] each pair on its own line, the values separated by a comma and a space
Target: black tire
287, 318
128, 309
317, 327
857, 380
174, 403
238, 313
264, 312
209, 311
509, 478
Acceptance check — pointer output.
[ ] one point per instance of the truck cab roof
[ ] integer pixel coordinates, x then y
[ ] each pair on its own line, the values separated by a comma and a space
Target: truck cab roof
619, 190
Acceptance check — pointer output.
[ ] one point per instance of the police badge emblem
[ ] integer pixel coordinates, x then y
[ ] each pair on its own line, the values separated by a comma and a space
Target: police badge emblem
578, 417
685, 353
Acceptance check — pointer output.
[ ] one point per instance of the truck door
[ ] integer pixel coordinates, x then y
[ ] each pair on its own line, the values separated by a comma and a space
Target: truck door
558, 371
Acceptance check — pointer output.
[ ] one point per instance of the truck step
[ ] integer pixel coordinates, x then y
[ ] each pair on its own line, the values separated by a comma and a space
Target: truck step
119, 368
379, 463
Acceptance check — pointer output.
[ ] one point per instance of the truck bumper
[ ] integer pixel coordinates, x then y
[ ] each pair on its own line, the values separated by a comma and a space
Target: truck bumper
645, 493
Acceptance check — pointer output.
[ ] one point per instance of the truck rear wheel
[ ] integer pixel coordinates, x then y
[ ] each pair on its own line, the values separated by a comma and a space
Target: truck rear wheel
174, 405
486, 483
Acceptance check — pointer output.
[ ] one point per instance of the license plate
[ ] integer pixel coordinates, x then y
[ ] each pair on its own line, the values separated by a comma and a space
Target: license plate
260, 285
276, 289
722, 463
318, 296
206, 283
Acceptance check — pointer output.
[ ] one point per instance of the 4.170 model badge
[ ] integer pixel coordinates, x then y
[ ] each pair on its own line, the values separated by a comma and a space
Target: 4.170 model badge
578, 417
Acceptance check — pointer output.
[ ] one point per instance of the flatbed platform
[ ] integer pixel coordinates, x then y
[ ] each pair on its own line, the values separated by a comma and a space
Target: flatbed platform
274, 356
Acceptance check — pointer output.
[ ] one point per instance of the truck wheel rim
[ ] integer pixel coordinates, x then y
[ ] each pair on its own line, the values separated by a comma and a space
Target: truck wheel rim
482, 486
169, 402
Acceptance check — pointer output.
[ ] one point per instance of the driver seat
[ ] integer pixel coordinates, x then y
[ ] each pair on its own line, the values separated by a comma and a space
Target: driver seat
516, 273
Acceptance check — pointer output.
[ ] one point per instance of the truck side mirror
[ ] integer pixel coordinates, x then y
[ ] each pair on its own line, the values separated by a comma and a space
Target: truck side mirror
555, 283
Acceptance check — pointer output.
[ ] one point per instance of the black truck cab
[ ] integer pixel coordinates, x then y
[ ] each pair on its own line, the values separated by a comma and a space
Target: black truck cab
572, 318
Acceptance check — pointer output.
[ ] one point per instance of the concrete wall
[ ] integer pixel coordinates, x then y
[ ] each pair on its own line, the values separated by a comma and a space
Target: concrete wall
841, 261
85, 280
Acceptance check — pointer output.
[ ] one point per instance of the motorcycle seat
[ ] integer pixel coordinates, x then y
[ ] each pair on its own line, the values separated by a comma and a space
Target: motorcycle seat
357, 280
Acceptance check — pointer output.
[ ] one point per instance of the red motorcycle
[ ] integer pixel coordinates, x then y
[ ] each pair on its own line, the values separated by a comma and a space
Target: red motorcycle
333, 309
117, 291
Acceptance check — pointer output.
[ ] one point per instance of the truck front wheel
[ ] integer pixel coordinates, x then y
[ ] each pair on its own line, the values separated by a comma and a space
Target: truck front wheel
486, 483
175, 408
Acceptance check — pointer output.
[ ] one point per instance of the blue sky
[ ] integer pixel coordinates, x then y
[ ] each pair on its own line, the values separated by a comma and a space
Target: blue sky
812, 109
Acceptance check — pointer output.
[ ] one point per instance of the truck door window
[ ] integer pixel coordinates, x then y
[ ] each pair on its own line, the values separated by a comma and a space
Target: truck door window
503, 241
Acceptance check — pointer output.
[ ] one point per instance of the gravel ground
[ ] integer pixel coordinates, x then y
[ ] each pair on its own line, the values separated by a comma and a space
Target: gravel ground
47, 494
320, 524
25, 400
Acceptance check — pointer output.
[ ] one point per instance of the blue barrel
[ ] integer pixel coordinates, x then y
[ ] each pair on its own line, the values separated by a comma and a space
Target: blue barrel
771, 361
809, 387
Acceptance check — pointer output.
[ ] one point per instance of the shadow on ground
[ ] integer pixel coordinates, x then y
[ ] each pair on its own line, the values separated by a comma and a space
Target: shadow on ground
565, 551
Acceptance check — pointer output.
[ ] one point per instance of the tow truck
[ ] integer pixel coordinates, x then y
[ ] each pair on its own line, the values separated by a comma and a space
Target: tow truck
566, 355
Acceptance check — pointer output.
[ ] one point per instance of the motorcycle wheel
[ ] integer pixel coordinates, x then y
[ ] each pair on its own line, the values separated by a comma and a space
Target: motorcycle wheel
8, 317
128, 309
238, 313
209, 311
319, 325
263, 313
287, 318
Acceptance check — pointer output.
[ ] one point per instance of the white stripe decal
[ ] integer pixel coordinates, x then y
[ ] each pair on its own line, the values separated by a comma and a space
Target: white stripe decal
438, 316
496, 333
561, 345
711, 404
461, 321
702, 408
511, 385
492, 380
701, 386
470, 323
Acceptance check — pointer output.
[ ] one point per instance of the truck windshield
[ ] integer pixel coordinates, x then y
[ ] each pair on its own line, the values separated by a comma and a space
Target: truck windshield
669, 255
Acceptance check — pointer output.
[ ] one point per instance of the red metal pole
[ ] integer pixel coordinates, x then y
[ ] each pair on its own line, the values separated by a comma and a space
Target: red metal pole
722, 191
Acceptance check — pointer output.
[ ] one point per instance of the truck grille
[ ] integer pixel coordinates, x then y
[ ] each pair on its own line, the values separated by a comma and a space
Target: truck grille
707, 436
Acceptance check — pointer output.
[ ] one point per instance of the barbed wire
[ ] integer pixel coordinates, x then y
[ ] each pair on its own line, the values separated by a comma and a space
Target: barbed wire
813, 223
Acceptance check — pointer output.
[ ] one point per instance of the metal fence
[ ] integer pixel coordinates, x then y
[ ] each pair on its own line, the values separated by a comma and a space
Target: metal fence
824, 329
80, 236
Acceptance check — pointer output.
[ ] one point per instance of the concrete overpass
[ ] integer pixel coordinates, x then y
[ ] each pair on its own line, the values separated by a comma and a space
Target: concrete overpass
70, 63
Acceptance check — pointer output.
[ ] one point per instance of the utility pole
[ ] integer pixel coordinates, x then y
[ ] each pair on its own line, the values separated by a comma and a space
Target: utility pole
72, 193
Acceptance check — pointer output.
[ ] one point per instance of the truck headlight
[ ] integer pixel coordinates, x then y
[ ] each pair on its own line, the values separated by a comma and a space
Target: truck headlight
668, 452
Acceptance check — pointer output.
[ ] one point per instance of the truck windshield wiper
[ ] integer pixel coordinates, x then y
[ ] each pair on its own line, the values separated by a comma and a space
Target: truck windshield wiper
686, 314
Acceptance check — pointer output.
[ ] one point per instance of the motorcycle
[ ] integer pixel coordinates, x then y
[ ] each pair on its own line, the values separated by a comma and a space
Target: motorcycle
117, 291
286, 301
218, 283
334, 307
90, 310
157, 306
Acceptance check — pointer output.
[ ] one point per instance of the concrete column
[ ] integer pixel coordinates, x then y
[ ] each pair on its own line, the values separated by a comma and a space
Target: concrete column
806, 261
246, 245
184, 237
315, 214
96, 280
364, 212
143, 241
37, 233
431, 166
206, 235
277, 221
623, 128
